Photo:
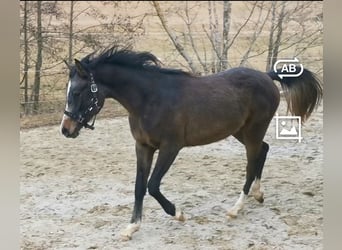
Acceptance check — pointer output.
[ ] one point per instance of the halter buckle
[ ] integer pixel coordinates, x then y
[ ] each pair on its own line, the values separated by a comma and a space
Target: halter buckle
93, 88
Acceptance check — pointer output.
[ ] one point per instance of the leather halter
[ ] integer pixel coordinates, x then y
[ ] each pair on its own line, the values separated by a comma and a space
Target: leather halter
92, 108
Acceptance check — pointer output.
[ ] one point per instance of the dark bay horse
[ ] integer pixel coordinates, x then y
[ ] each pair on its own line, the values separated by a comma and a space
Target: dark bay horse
170, 109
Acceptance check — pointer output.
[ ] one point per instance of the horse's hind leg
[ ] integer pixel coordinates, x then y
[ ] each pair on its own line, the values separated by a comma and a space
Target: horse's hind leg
256, 155
257, 194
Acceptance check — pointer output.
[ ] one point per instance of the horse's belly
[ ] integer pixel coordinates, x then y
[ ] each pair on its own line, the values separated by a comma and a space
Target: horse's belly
201, 134
197, 141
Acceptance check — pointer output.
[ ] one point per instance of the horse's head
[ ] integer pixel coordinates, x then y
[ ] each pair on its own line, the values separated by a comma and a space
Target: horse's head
83, 100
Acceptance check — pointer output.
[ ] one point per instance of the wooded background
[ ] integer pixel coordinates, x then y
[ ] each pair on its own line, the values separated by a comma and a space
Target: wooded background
202, 37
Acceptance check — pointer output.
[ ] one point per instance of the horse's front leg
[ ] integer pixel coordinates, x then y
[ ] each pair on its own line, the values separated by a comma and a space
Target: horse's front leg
166, 156
144, 155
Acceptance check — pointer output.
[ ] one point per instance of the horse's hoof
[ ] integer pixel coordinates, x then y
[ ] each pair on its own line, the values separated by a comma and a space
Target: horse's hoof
261, 200
179, 216
259, 197
125, 237
129, 231
231, 215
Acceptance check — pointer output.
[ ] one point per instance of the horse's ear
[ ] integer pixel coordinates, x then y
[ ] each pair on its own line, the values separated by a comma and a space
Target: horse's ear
80, 69
67, 64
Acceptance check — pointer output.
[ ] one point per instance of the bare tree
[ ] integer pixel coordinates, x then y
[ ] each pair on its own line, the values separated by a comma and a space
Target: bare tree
298, 16
276, 45
209, 38
257, 28
225, 39
39, 60
33, 44
71, 20
244, 37
180, 48
27, 41
50, 32
213, 36
26, 66
271, 35
220, 38
219, 42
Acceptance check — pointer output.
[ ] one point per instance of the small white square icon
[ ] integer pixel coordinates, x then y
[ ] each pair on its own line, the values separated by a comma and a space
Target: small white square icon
288, 128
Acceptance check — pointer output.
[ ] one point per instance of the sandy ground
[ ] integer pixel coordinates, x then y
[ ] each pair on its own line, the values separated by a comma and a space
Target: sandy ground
78, 193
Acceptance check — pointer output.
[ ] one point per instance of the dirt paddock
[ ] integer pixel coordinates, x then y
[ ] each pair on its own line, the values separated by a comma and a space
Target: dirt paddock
79, 193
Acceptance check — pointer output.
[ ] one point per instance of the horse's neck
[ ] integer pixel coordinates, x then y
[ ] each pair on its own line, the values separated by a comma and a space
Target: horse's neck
130, 91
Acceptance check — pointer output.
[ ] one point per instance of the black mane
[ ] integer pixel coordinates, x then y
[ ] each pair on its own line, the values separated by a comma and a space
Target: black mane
128, 58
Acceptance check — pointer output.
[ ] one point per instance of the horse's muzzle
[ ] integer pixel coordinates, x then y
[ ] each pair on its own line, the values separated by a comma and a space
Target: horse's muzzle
69, 128
67, 134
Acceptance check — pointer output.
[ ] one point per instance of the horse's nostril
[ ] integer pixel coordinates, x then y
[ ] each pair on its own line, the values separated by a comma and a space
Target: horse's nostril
65, 131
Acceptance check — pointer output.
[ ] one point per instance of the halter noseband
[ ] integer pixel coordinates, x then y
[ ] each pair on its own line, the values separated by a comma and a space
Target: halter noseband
81, 118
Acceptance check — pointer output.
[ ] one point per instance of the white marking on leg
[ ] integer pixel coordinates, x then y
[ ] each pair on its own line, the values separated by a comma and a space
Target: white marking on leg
130, 230
179, 215
233, 212
257, 194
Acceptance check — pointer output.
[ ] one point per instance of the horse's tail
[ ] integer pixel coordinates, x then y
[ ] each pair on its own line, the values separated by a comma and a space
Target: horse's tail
303, 93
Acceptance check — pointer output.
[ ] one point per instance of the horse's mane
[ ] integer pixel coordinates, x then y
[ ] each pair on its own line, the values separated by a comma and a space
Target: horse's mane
128, 58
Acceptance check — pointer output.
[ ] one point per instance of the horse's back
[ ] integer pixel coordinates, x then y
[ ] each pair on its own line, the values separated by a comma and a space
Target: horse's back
255, 88
217, 106
248, 80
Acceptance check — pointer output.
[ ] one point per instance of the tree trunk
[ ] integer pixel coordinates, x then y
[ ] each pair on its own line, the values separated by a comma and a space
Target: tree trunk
276, 45
226, 25
212, 29
270, 40
36, 85
26, 99
71, 16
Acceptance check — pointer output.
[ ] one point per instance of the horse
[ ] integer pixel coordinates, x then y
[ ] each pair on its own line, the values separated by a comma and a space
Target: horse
169, 109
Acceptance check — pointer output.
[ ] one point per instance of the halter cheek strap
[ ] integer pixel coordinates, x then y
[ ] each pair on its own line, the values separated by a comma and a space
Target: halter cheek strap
93, 107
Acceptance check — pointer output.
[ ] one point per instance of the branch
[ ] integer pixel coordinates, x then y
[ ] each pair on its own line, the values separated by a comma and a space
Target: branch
243, 25
256, 33
297, 41
188, 23
308, 46
212, 43
22, 80
173, 38
79, 13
